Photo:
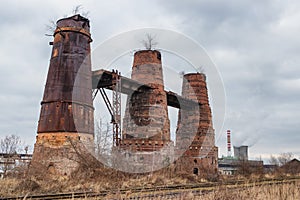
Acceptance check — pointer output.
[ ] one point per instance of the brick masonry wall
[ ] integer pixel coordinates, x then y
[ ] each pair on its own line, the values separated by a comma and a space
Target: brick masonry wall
195, 138
146, 126
60, 153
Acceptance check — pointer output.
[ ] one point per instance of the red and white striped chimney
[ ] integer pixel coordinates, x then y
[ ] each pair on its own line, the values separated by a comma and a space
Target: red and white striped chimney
228, 143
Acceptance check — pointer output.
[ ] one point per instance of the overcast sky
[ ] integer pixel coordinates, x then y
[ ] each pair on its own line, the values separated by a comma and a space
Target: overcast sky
254, 44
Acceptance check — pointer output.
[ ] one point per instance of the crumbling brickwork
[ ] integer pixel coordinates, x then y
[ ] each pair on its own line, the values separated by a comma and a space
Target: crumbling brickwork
67, 111
195, 138
146, 125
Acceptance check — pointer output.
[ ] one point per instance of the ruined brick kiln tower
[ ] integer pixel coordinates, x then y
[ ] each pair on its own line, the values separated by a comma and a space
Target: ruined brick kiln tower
66, 117
146, 125
195, 137
145, 141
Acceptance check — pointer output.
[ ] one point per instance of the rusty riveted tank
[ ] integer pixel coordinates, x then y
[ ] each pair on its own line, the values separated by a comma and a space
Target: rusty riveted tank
67, 108
67, 103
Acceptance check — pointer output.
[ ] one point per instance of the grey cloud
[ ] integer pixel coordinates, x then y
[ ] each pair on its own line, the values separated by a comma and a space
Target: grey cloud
254, 44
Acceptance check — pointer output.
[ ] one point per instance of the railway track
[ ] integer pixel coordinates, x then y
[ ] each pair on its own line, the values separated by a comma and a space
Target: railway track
154, 192
198, 191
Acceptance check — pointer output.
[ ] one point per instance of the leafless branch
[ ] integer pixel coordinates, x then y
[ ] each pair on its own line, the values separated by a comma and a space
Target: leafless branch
10, 144
77, 9
150, 42
181, 74
281, 159
50, 27
80, 10
103, 139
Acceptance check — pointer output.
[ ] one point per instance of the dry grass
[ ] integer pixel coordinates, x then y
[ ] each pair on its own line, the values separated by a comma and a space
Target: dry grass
102, 179
7, 187
284, 191
107, 179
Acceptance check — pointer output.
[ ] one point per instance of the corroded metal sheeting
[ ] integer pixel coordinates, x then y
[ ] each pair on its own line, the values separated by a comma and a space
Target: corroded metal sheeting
74, 23
64, 116
66, 123
67, 102
104, 79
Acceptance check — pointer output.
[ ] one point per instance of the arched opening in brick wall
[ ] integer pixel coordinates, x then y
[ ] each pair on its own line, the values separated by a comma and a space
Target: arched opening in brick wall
196, 171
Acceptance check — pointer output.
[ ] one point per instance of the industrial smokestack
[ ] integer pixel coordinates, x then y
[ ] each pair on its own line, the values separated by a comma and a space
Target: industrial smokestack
229, 143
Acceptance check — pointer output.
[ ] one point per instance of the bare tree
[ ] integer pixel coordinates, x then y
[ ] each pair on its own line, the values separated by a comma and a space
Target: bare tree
150, 42
26, 149
273, 160
103, 139
282, 159
8, 149
77, 9
10, 144
50, 28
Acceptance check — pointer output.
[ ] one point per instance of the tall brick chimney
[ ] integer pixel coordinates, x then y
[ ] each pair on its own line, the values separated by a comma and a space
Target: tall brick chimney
146, 126
195, 137
66, 116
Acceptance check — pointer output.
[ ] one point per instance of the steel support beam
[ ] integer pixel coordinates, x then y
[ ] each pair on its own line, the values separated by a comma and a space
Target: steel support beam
104, 79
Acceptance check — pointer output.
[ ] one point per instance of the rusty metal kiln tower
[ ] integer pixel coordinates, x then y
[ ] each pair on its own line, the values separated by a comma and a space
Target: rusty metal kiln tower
67, 112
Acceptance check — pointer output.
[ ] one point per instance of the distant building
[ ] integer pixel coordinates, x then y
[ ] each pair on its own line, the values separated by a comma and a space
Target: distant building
227, 166
241, 152
239, 163
231, 166
291, 167
268, 168
8, 162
